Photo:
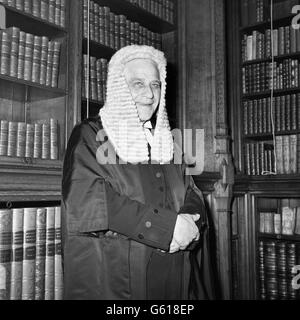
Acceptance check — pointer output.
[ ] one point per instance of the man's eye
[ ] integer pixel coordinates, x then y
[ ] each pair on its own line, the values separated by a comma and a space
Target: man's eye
138, 84
156, 85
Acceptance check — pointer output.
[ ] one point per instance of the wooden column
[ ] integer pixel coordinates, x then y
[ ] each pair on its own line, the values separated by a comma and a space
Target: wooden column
75, 65
202, 105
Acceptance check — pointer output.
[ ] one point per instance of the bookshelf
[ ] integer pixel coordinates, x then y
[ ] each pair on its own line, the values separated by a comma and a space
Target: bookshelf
265, 146
34, 80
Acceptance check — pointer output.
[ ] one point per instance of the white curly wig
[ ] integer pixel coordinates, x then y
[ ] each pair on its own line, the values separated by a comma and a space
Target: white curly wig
119, 115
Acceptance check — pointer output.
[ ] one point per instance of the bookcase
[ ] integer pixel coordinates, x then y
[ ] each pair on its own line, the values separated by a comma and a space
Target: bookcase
263, 89
34, 75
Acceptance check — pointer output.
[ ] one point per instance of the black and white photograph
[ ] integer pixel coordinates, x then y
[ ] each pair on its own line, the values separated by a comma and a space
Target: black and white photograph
149, 153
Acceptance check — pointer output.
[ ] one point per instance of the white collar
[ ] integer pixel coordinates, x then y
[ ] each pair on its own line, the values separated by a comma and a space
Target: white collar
148, 125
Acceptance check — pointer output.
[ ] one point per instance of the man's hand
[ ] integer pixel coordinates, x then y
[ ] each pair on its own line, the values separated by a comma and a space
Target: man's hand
185, 232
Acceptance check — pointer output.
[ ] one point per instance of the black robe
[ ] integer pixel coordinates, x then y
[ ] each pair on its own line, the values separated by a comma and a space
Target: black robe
118, 222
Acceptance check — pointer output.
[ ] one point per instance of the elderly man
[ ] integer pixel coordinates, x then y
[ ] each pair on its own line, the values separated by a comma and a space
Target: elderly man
134, 226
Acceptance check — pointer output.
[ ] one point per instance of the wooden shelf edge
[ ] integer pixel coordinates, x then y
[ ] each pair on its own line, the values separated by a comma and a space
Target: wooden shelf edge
20, 163
276, 58
15, 11
139, 14
19, 196
56, 91
278, 237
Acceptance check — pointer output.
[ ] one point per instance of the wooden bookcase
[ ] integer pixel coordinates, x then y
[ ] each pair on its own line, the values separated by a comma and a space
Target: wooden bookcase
24, 178
259, 187
33, 179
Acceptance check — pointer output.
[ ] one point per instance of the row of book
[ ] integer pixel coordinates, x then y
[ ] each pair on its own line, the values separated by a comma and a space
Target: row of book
53, 11
163, 9
288, 154
256, 11
30, 254
258, 113
253, 11
29, 57
286, 40
94, 82
260, 156
38, 140
115, 31
276, 263
285, 223
264, 76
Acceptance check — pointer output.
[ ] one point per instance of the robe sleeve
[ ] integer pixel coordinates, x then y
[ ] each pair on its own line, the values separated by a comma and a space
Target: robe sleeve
92, 204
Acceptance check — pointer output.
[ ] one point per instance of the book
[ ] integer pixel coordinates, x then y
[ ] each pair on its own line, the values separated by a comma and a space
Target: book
277, 223
288, 221
50, 253
17, 254
5, 252
3, 137
269, 222
28, 60
28, 271
58, 278
40, 254
297, 218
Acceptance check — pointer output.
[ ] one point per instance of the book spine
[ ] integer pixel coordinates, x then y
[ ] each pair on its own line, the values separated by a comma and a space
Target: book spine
297, 224
293, 153
37, 141
45, 141
28, 277
50, 253
12, 139
43, 62
15, 36
28, 6
288, 221
63, 14
291, 262
21, 55
29, 140
57, 16
5, 53
40, 254
21, 139
36, 8
49, 63
3, 137
36, 60
286, 155
17, 254
58, 278
44, 9
279, 154
53, 139
55, 64
5, 253
28, 57
51, 11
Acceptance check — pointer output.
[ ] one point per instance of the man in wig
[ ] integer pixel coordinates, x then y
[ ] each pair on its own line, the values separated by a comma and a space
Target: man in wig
134, 225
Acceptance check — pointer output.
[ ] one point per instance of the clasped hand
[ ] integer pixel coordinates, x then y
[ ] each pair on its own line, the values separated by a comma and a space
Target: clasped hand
185, 232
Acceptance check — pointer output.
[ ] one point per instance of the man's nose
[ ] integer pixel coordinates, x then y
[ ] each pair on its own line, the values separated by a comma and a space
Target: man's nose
148, 92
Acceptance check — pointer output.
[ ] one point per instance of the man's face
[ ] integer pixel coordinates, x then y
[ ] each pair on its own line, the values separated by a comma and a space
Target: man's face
143, 80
